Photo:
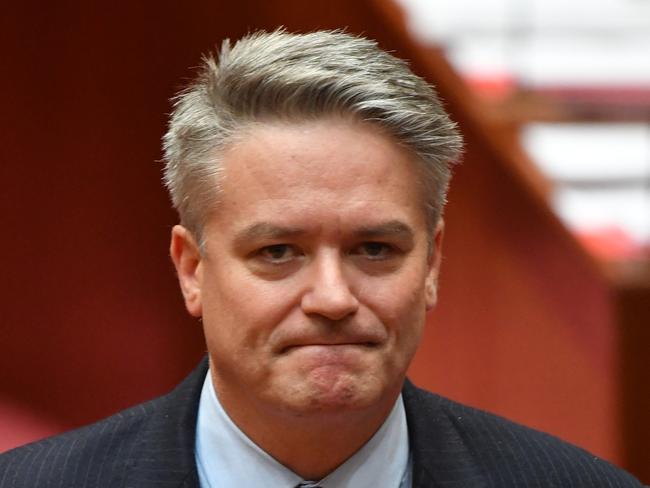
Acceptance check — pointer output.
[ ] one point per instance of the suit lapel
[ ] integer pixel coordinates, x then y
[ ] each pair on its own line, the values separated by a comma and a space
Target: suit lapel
440, 456
164, 454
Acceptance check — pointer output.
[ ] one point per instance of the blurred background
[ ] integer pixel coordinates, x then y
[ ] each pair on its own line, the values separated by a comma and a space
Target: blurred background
574, 81
544, 312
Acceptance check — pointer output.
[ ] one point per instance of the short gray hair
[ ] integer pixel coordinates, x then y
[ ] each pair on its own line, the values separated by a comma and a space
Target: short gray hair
278, 75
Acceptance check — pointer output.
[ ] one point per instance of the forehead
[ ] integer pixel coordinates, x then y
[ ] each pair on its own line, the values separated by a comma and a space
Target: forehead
316, 170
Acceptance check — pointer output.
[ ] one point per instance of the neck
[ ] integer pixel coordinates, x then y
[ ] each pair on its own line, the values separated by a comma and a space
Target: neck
312, 444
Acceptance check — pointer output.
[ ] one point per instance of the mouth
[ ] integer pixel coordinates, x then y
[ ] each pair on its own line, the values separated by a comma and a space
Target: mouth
330, 345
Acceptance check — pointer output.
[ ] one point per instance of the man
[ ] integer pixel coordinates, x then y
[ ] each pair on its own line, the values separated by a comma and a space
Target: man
309, 173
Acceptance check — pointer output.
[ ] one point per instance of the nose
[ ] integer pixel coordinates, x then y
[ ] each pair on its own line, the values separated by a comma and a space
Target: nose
328, 292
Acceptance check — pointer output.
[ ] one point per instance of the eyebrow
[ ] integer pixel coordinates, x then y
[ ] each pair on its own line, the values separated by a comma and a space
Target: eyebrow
391, 228
265, 230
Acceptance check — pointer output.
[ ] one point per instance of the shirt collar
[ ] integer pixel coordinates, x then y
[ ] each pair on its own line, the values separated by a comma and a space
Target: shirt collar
226, 457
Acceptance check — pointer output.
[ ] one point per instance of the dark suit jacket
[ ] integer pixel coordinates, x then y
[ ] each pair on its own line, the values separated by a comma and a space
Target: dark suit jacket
152, 445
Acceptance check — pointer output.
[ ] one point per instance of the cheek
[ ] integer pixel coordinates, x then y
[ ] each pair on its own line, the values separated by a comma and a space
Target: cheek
398, 298
402, 312
243, 310
400, 304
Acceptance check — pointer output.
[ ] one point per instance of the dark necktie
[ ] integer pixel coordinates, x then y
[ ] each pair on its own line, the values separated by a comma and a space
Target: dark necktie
308, 484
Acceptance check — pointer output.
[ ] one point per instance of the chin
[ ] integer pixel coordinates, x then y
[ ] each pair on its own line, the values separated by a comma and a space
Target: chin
328, 392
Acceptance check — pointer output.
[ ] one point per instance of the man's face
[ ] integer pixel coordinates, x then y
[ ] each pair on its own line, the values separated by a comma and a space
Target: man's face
316, 273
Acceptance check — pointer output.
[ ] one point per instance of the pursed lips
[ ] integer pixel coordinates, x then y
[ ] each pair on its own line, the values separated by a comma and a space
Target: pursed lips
334, 343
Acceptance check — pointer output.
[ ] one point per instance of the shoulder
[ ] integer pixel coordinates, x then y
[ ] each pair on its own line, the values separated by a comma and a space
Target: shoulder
503, 452
154, 440
99, 451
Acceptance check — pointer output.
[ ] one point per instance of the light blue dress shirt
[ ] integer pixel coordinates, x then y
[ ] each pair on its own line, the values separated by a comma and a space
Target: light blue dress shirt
227, 458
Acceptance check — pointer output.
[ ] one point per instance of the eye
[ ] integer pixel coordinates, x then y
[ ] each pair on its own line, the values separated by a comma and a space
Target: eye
374, 250
278, 253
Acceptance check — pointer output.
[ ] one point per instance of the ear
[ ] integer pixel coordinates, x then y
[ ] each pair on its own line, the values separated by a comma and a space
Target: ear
186, 256
435, 257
